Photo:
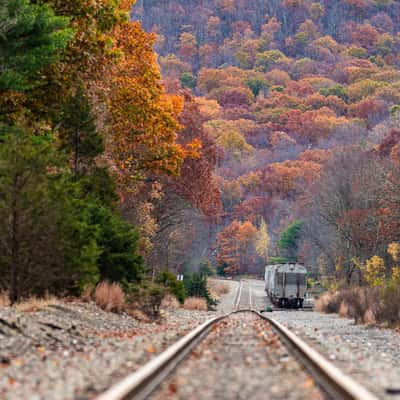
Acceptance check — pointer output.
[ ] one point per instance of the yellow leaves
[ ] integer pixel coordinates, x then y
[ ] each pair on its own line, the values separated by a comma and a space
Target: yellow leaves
394, 250
396, 276
209, 108
229, 135
363, 88
375, 270
263, 240
193, 149
173, 102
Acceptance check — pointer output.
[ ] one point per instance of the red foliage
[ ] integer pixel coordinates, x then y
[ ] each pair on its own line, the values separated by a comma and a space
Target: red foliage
385, 148
236, 246
365, 35
372, 110
196, 183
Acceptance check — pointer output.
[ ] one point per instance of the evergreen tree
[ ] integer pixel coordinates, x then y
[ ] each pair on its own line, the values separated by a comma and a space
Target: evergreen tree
119, 259
289, 240
196, 286
46, 242
31, 37
79, 135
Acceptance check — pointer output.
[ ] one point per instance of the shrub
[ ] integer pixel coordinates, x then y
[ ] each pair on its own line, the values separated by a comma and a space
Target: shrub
221, 269
196, 303
110, 297
366, 304
356, 300
390, 306
196, 286
218, 288
328, 303
206, 268
147, 298
170, 302
278, 260
175, 287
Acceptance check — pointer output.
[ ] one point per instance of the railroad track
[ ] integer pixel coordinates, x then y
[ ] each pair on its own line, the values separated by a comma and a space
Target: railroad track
238, 334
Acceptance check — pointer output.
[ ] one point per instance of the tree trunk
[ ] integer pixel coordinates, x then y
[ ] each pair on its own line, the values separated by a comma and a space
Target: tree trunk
14, 295
76, 154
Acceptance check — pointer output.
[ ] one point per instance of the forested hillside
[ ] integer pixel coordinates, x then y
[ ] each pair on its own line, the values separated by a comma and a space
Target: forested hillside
140, 140
302, 99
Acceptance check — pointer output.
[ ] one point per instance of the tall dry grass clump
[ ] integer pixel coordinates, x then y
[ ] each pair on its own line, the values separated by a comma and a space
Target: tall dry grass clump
195, 303
369, 305
110, 297
88, 293
328, 302
170, 302
34, 304
218, 288
4, 299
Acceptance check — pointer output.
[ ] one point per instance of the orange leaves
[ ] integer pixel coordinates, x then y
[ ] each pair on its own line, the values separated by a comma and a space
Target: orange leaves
236, 245
143, 117
283, 178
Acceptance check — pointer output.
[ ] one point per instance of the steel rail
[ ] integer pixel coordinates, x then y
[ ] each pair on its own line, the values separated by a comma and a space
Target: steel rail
142, 382
146, 379
330, 378
238, 295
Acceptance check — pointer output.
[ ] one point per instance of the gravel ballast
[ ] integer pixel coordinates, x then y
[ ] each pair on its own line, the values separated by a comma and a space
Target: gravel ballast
369, 355
241, 358
75, 350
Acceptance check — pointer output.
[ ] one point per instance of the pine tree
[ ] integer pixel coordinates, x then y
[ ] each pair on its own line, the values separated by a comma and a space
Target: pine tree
46, 240
31, 37
119, 260
79, 136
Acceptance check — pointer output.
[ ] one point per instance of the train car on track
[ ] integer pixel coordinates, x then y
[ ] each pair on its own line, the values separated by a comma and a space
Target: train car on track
286, 284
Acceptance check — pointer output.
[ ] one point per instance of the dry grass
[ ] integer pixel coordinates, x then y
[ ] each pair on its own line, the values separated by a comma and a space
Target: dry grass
110, 297
34, 304
218, 287
364, 304
328, 303
138, 315
343, 310
4, 299
88, 293
195, 303
170, 302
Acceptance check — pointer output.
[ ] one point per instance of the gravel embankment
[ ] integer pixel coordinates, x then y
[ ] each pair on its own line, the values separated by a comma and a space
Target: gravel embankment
370, 355
242, 358
75, 350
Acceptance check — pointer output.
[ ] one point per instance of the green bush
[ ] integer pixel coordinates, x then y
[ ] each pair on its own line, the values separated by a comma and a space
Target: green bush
278, 260
175, 287
206, 268
221, 269
188, 80
148, 297
196, 286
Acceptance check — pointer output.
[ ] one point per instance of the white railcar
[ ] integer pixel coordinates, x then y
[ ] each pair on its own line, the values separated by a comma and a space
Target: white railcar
286, 284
